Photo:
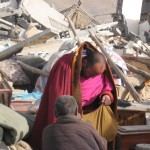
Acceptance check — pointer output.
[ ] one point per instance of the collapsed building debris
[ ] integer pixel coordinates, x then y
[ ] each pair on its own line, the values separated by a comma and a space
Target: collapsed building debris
138, 71
109, 35
25, 17
80, 18
31, 29
49, 18
32, 69
15, 48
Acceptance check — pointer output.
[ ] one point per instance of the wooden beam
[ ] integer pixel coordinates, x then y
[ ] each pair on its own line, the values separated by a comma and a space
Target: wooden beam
143, 61
73, 30
125, 56
138, 71
33, 69
3, 26
4, 14
7, 53
131, 89
7, 23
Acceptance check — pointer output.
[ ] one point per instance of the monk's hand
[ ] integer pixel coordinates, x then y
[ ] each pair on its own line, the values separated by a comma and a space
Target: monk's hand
106, 100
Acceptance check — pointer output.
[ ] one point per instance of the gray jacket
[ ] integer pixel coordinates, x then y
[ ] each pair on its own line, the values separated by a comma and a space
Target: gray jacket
71, 133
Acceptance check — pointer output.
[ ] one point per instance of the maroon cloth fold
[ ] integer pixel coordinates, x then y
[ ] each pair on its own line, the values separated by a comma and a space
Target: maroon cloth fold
58, 84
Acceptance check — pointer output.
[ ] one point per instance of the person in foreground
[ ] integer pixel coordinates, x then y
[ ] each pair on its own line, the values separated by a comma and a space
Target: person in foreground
70, 131
84, 74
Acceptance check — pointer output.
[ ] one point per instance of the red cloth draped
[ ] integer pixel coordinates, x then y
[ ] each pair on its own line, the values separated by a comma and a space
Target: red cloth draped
58, 84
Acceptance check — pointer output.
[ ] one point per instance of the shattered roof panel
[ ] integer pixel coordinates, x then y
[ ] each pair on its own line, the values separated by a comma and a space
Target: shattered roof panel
46, 15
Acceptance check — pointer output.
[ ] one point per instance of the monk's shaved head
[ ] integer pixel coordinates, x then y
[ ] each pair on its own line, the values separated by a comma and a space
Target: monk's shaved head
93, 63
94, 57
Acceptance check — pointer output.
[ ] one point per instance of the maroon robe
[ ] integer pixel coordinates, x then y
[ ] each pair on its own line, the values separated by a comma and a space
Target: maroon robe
60, 82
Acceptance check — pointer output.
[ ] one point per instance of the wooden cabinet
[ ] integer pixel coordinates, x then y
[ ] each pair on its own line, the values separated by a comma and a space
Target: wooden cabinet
129, 136
131, 117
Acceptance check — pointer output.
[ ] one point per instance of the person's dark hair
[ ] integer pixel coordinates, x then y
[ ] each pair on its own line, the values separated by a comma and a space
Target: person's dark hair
65, 105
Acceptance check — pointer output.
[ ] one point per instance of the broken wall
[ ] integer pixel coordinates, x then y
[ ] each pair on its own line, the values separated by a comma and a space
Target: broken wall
131, 9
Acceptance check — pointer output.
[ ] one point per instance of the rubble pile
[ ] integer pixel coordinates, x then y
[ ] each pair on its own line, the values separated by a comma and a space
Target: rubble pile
29, 37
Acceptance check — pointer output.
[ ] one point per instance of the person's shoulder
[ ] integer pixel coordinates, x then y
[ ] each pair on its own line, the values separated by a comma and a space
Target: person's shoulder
48, 128
87, 124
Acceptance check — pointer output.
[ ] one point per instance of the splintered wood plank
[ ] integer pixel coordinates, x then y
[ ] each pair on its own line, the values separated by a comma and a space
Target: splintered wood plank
37, 38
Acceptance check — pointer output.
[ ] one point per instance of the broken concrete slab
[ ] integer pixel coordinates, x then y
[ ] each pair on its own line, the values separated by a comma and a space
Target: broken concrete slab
4, 33
12, 3
22, 23
32, 30
45, 15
